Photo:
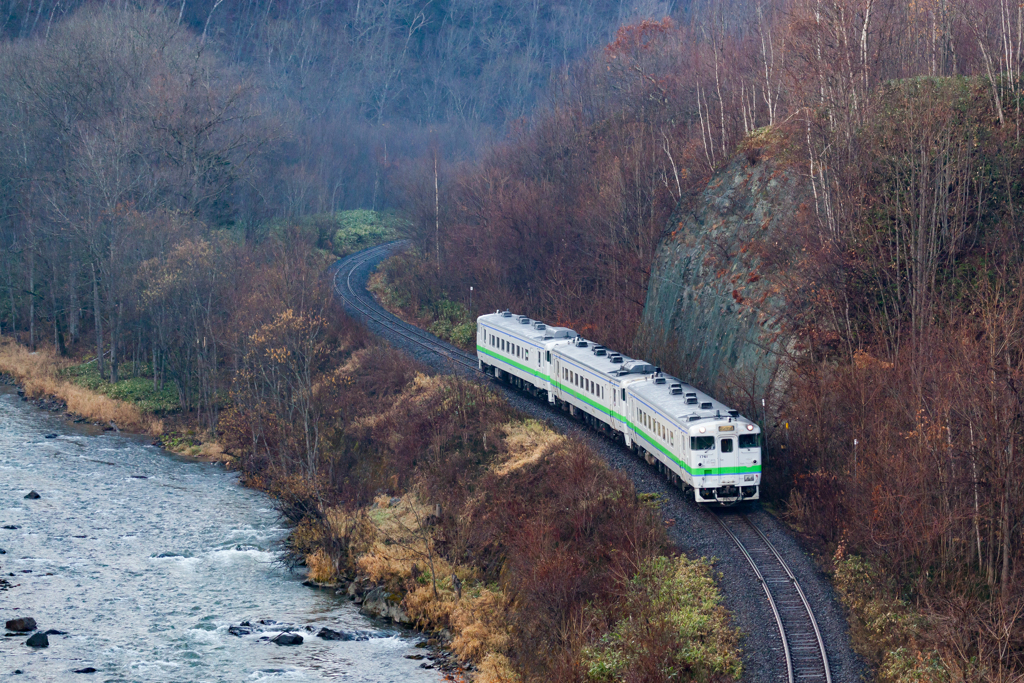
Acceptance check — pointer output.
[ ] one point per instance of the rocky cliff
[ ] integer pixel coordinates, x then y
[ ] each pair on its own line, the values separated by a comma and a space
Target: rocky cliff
714, 313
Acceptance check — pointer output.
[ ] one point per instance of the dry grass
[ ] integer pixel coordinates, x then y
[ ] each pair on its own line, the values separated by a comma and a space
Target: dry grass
37, 373
322, 568
526, 443
396, 543
496, 668
424, 389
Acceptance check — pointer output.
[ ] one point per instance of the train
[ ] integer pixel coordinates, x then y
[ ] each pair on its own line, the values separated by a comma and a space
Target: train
700, 443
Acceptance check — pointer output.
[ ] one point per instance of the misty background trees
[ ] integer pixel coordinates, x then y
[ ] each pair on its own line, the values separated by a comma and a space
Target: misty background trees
146, 147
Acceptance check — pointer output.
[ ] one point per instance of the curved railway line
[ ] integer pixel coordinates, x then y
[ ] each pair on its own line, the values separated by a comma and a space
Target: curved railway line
359, 300
803, 647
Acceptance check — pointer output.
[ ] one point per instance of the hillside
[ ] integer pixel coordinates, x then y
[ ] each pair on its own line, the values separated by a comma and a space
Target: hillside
716, 301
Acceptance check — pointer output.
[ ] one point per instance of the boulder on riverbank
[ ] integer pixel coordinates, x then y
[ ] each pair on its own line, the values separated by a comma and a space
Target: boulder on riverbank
21, 625
381, 603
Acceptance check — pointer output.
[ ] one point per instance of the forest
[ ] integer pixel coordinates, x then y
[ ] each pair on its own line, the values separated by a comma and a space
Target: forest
171, 176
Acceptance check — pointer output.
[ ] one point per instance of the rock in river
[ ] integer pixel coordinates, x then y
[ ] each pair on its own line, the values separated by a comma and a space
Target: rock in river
32, 495
38, 640
331, 634
287, 639
86, 670
21, 625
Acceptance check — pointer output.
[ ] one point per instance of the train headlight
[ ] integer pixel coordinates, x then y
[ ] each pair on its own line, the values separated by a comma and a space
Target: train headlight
702, 430
748, 477
750, 428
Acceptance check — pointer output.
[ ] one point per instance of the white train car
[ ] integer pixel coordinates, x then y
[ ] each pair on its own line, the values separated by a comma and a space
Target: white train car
705, 444
590, 381
699, 442
519, 348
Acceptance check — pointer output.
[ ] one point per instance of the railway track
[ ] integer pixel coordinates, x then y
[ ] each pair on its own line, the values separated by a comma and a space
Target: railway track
804, 649
357, 297
806, 659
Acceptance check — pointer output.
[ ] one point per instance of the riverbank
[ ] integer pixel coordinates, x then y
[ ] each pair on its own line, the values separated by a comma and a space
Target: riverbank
52, 384
37, 374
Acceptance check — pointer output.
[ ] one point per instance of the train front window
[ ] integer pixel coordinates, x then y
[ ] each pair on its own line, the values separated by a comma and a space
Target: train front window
702, 443
727, 445
749, 440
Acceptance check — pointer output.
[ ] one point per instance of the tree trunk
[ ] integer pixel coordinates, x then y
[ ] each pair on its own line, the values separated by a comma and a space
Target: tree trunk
73, 300
32, 300
97, 319
10, 294
115, 332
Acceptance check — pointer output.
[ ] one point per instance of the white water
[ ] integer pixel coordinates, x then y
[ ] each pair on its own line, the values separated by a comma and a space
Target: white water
146, 575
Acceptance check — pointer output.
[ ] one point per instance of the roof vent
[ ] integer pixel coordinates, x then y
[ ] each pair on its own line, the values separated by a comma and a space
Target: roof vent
523, 320
506, 314
706, 405
694, 418
600, 351
615, 358
640, 367
539, 326
659, 380
734, 413
676, 389
581, 343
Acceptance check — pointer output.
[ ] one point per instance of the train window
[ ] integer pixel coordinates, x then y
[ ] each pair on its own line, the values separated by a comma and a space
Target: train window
702, 443
749, 440
727, 445
527, 354
623, 394
549, 356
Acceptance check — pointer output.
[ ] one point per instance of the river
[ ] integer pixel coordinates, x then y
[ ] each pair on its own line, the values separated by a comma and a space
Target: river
145, 559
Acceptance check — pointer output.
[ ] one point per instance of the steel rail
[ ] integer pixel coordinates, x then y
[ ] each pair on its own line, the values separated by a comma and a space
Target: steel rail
768, 594
411, 333
779, 609
803, 599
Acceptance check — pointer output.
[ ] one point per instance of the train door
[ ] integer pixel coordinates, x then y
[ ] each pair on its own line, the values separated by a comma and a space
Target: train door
728, 460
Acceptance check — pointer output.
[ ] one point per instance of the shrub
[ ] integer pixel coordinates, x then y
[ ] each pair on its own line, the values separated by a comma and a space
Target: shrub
138, 391
672, 623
